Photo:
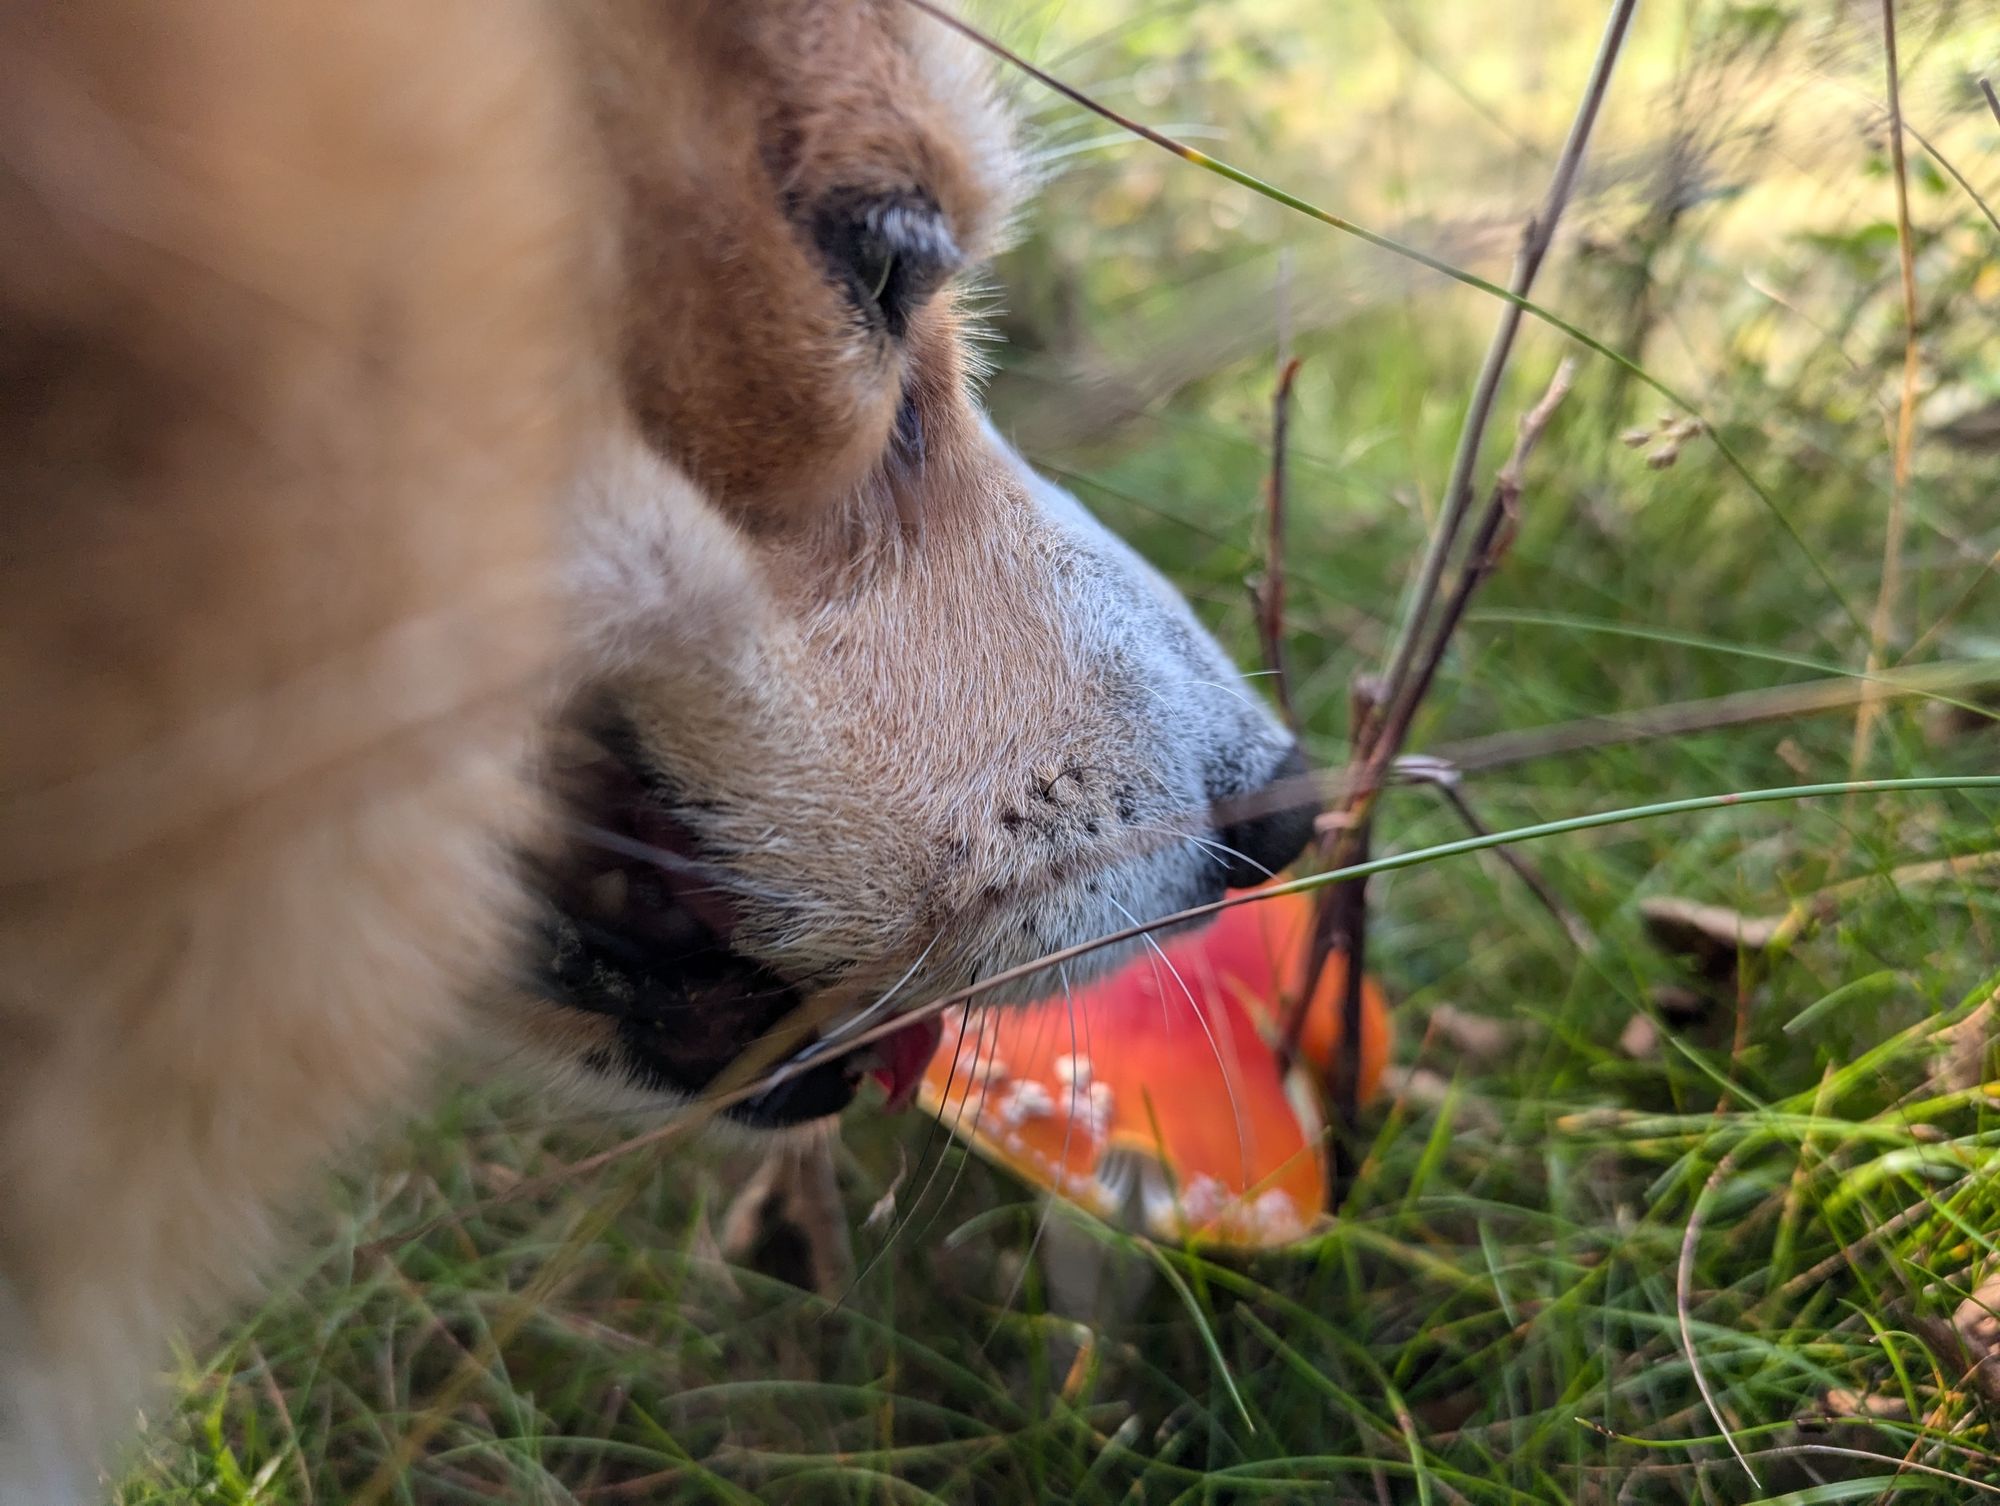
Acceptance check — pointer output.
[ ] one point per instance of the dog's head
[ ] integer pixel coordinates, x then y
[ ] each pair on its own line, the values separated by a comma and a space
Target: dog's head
869, 711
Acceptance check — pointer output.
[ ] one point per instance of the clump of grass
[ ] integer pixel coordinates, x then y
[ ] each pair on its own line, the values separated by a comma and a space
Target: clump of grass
1778, 1185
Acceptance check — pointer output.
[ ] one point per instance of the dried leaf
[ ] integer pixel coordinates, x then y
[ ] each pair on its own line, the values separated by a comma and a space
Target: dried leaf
1714, 937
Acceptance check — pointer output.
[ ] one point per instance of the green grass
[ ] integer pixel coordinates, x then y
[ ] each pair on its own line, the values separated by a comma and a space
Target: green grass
1494, 1315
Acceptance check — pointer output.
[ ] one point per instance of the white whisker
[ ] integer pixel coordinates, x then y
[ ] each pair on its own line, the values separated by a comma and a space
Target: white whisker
1241, 857
982, 1092
1159, 695
1215, 1050
861, 1019
669, 861
1207, 846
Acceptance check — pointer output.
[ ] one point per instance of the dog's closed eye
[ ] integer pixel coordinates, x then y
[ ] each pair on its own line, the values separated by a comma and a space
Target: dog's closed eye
890, 251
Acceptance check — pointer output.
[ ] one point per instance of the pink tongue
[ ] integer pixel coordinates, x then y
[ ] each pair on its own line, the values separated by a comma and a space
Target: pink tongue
904, 1057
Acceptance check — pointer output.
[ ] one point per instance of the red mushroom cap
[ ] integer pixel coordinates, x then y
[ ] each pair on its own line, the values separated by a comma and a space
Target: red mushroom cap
1154, 1095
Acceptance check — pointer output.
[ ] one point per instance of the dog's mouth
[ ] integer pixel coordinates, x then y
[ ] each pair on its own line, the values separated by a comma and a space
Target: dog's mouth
639, 928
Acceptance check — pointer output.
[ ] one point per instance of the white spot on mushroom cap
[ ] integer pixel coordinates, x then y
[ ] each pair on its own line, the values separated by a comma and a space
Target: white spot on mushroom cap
985, 1066
1094, 1112
1203, 1199
1073, 1070
1025, 1100
1275, 1216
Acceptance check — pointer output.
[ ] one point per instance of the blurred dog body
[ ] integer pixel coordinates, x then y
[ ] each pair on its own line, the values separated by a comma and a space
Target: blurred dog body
395, 402
292, 306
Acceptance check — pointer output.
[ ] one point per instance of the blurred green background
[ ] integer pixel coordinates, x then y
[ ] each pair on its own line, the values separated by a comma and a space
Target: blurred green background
1494, 1317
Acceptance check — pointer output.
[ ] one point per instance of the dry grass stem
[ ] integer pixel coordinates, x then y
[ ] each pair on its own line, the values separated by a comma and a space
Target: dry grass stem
1743, 708
1270, 591
1882, 621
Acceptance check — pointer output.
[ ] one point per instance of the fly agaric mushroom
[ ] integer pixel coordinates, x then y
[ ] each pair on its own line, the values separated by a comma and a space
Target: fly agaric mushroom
1154, 1097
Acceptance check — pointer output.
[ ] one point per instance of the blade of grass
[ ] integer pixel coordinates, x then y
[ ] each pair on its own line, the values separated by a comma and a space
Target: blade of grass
1203, 1329
1684, 1304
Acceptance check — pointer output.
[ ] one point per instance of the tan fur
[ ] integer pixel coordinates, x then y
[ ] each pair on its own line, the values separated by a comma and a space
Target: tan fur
292, 317
387, 391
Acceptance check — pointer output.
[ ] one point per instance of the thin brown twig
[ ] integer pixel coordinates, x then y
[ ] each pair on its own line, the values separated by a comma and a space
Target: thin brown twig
1338, 925
1491, 541
1270, 592
1347, 934
1951, 171
1945, 164
1992, 99
1408, 252
1941, 682
1377, 739
1341, 925
1906, 409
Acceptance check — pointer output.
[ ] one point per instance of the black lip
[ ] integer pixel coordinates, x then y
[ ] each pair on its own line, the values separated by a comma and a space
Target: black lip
684, 1020
638, 928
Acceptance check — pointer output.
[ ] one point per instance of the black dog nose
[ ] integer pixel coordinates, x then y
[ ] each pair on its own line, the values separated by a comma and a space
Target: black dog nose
1274, 824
